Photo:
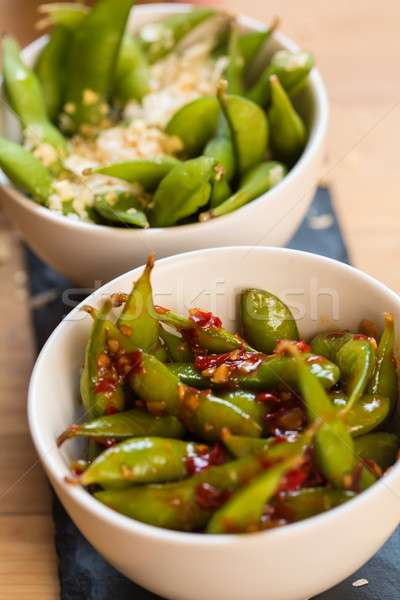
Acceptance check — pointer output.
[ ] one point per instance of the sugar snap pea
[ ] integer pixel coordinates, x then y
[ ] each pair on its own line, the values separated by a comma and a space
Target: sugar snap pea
265, 319
184, 190
195, 124
288, 134
25, 170
126, 424
256, 182
91, 62
120, 206
27, 100
141, 460
160, 38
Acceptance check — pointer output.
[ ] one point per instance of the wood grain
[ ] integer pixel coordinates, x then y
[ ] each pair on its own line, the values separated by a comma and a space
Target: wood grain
357, 48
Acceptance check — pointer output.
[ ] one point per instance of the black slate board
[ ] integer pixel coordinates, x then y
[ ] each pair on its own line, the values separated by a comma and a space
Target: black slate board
83, 573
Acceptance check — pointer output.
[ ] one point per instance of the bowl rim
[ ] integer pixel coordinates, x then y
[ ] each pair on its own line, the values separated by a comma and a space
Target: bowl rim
315, 141
87, 502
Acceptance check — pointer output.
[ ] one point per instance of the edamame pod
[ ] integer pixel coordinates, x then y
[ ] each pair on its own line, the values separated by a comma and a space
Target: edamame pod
67, 14
133, 77
384, 378
265, 319
26, 99
120, 206
286, 128
100, 389
367, 414
256, 182
249, 129
91, 62
292, 68
195, 124
177, 347
25, 170
127, 424
160, 38
382, 448
50, 71
184, 190
147, 172
141, 460
308, 502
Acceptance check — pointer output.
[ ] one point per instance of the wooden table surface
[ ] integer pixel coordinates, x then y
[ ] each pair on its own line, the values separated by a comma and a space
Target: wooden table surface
358, 53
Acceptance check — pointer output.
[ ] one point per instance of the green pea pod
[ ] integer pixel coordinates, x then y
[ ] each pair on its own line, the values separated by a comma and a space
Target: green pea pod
133, 77
195, 124
99, 385
292, 68
187, 504
265, 319
203, 331
120, 206
27, 100
178, 348
91, 65
184, 190
127, 424
161, 390
141, 460
368, 413
333, 444
288, 133
50, 71
67, 14
355, 357
264, 373
382, 448
148, 172
160, 38
384, 380
242, 512
256, 182
138, 319
25, 170
249, 129
308, 502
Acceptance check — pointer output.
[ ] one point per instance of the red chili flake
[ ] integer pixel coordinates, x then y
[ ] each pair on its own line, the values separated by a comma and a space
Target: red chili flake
314, 359
105, 385
208, 497
361, 336
292, 481
355, 484
301, 345
129, 363
204, 319
267, 397
160, 309
203, 361
112, 410
289, 416
337, 334
197, 464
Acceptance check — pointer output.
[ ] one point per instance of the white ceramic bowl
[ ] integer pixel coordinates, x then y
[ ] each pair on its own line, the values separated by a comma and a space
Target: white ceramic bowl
290, 563
88, 253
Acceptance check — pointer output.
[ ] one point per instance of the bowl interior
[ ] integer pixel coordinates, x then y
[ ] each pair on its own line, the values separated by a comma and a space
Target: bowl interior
323, 294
